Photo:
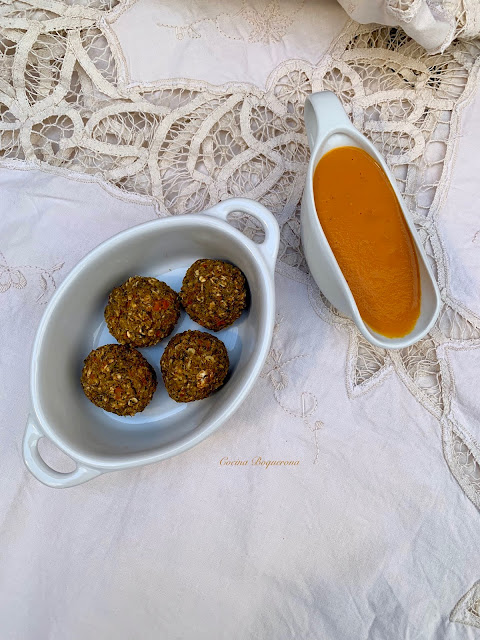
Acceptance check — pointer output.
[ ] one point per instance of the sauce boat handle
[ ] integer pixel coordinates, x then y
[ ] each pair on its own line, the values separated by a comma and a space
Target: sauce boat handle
324, 113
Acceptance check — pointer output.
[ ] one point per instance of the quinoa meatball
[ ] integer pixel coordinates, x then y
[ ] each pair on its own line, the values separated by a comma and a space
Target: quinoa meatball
194, 365
117, 378
142, 311
214, 293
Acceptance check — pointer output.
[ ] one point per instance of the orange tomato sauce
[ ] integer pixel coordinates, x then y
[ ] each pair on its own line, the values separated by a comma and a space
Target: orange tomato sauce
367, 232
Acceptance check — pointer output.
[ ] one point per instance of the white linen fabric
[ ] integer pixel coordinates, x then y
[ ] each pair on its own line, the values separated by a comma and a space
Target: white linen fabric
373, 533
368, 536
223, 40
432, 23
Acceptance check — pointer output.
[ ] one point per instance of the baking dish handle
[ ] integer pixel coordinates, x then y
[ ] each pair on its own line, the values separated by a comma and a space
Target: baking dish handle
39, 468
269, 247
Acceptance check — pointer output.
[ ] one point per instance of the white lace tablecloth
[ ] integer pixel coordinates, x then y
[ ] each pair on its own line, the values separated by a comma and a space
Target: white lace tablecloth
113, 112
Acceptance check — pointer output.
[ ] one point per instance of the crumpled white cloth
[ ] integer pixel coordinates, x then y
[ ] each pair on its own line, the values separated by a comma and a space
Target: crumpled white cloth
432, 23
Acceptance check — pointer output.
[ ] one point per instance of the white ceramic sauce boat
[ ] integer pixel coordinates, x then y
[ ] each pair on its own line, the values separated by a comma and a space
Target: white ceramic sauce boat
73, 324
328, 127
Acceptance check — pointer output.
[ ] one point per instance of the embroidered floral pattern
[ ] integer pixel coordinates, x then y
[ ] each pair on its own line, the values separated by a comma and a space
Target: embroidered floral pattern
13, 277
274, 371
10, 277
270, 24
266, 25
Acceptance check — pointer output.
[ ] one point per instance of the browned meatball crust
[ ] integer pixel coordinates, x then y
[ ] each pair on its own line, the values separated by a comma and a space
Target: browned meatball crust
214, 293
194, 365
142, 311
117, 378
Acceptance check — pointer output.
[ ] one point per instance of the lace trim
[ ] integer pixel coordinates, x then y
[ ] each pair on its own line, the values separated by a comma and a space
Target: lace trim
467, 610
189, 145
462, 454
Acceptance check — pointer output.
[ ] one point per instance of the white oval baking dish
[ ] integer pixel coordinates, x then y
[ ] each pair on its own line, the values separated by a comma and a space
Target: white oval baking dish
73, 324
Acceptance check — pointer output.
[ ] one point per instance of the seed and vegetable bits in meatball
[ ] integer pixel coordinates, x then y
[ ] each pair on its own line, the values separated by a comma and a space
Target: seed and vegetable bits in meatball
142, 311
214, 293
194, 365
117, 378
